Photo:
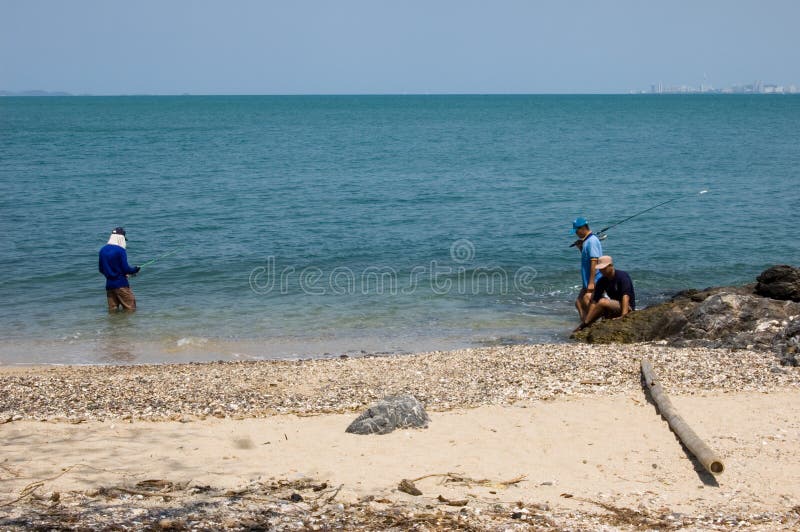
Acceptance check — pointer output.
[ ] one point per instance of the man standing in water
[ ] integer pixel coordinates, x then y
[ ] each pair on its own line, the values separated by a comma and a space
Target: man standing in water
591, 250
114, 265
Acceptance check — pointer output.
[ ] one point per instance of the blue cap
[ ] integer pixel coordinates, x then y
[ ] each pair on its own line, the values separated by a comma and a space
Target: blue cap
118, 231
579, 222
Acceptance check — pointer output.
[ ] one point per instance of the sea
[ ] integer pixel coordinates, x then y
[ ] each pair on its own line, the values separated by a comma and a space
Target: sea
294, 227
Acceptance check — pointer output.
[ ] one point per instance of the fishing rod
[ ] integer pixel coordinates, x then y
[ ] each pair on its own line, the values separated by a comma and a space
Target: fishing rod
601, 233
165, 255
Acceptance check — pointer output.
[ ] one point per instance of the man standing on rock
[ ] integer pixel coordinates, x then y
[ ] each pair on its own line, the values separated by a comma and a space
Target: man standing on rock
591, 250
114, 265
618, 286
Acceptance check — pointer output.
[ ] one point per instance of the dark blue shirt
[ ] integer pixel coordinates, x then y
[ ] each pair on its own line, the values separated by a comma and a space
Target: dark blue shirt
615, 288
114, 265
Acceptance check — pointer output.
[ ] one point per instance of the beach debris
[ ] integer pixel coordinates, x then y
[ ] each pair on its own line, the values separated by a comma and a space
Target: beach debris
13, 472
641, 519
707, 457
170, 524
401, 411
27, 491
157, 485
407, 486
451, 502
487, 483
263, 506
457, 478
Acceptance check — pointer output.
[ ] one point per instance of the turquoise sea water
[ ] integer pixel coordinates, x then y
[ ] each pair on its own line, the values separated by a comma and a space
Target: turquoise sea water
315, 226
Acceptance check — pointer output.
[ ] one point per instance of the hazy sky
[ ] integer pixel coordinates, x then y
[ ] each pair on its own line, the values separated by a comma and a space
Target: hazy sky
375, 46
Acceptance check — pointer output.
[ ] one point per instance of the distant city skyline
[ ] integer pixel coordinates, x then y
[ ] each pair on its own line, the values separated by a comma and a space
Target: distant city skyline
756, 87
106, 47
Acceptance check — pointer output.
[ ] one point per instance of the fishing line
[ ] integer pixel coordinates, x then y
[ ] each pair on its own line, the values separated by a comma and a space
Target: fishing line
601, 233
165, 255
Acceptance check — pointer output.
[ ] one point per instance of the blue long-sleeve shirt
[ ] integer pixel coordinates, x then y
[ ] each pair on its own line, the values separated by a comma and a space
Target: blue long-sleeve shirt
114, 265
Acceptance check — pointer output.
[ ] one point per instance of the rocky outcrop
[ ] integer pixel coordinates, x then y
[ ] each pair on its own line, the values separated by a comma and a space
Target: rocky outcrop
779, 282
402, 411
735, 317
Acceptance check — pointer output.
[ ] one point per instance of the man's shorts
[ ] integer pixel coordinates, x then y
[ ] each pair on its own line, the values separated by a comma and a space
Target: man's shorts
121, 297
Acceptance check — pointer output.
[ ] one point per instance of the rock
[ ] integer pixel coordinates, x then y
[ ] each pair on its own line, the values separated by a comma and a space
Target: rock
779, 282
406, 486
736, 317
400, 411
786, 343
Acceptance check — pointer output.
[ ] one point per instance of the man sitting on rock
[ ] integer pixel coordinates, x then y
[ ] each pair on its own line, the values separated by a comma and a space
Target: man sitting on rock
618, 288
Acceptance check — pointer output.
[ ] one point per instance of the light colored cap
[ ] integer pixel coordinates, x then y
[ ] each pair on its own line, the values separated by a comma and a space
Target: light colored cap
604, 262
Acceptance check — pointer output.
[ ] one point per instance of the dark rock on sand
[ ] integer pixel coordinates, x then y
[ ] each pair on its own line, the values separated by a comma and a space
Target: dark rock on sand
779, 282
402, 411
737, 317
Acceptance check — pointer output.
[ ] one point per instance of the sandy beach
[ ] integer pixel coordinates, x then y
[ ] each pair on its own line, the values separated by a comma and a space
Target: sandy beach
545, 436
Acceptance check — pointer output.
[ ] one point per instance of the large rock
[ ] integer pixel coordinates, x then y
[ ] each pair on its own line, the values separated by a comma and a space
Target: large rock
401, 411
731, 317
779, 282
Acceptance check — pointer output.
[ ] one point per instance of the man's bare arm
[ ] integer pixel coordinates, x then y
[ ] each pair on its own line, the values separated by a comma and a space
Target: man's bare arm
592, 274
625, 305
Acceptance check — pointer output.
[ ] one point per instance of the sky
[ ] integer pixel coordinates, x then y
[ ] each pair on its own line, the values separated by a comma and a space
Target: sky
394, 47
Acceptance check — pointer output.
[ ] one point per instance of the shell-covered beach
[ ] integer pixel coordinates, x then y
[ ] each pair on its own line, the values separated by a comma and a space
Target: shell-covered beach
442, 380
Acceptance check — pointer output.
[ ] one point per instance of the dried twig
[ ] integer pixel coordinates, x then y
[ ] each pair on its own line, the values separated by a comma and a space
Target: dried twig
33, 486
335, 493
458, 478
433, 475
15, 474
164, 495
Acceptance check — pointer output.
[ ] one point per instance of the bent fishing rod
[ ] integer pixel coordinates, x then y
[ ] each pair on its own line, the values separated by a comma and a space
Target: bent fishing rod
601, 234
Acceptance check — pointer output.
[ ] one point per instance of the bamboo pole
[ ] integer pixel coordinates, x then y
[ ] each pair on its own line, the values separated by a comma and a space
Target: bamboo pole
690, 439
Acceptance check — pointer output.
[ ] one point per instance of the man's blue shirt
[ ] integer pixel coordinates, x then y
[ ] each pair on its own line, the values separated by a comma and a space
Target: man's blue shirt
114, 265
592, 249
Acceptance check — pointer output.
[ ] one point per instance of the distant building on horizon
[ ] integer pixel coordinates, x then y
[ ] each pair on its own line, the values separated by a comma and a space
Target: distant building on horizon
757, 87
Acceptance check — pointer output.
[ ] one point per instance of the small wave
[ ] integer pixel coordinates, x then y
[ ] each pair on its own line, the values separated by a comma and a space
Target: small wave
191, 341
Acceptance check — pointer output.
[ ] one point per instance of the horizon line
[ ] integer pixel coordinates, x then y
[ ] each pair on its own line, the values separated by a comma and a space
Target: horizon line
44, 94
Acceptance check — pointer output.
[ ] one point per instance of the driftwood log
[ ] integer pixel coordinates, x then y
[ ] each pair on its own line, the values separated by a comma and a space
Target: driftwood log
707, 457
